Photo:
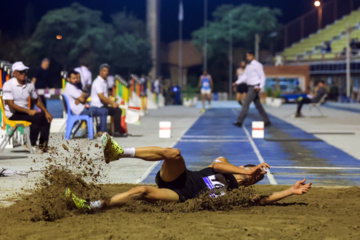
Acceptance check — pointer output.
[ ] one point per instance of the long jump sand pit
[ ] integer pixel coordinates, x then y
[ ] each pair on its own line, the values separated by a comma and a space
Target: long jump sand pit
323, 213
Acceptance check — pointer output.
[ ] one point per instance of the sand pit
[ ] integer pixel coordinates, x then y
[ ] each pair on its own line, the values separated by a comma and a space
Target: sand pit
323, 213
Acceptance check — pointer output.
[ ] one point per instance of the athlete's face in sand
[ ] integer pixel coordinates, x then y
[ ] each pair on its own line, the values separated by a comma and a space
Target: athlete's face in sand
248, 180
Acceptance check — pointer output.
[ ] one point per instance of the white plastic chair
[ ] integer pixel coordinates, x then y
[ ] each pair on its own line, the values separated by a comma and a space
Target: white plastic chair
317, 105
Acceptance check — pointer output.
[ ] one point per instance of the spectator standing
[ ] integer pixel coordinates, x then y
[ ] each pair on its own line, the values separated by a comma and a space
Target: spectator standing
85, 76
254, 77
16, 92
77, 102
41, 78
100, 99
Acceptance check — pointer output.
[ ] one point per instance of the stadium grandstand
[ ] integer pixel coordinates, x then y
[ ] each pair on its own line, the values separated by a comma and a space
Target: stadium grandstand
335, 34
315, 48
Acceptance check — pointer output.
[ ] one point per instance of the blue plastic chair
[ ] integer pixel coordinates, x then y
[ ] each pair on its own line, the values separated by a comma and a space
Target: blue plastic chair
72, 119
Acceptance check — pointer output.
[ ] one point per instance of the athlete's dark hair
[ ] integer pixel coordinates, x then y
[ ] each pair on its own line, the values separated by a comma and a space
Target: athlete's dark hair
322, 81
252, 165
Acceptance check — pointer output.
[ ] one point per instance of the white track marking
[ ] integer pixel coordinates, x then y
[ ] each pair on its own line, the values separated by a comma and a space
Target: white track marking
214, 136
261, 159
214, 140
316, 168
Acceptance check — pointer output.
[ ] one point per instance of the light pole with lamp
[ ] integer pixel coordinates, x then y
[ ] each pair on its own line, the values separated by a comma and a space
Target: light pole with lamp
318, 5
230, 57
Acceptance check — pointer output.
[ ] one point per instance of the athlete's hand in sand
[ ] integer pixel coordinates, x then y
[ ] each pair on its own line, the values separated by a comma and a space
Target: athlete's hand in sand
260, 169
300, 187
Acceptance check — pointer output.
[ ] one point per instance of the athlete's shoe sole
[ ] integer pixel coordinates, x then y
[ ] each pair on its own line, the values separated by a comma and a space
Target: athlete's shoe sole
79, 203
112, 150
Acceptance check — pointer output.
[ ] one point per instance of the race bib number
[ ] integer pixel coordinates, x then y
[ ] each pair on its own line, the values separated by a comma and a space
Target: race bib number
216, 188
206, 84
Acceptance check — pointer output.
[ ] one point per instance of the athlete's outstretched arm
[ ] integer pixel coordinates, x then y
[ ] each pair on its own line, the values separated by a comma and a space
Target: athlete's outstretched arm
222, 165
299, 188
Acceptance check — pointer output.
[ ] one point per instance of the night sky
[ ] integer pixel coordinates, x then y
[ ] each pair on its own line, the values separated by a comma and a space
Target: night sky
12, 13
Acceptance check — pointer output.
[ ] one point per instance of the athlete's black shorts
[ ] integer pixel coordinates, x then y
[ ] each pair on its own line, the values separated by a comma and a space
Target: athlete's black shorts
183, 185
242, 88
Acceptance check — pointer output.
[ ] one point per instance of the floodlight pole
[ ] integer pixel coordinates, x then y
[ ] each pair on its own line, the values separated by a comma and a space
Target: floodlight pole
257, 42
205, 35
180, 49
230, 57
348, 49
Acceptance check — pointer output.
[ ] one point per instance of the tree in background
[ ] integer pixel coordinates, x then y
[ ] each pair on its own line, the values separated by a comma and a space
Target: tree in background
85, 37
132, 46
247, 20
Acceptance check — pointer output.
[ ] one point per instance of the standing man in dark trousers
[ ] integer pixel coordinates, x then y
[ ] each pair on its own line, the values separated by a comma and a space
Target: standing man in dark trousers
254, 77
16, 93
100, 99
41, 79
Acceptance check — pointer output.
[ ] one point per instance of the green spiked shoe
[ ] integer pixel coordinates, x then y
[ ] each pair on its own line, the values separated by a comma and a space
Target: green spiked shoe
112, 150
79, 203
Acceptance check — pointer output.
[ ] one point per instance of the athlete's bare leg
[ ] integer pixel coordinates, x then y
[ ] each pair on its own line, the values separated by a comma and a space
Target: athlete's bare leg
173, 165
147, 193
203, 97
238, 98
208, 96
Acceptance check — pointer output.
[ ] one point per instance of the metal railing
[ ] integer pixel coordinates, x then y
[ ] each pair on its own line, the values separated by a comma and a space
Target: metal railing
316, 19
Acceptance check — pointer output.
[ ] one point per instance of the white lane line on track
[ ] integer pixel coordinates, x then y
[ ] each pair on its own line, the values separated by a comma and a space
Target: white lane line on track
214, 140
151, 168
315, 168
261, 159
214, 136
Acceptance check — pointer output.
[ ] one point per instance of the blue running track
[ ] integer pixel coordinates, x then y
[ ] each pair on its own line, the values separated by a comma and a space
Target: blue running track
298, 154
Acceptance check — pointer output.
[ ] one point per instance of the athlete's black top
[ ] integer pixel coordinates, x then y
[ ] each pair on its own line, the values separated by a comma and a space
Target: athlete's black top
191, 183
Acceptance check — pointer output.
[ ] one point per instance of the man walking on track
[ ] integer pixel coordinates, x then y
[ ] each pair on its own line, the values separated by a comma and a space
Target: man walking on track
177, 184
206, 85
254, 77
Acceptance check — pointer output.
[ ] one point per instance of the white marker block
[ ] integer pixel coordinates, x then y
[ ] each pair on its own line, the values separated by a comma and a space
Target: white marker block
165, 130
257, 129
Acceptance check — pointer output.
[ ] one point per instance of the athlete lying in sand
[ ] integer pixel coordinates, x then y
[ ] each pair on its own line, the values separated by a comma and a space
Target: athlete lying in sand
177, 183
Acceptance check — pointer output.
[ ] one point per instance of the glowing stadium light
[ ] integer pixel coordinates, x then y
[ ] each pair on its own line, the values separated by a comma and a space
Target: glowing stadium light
317, 3
58, 37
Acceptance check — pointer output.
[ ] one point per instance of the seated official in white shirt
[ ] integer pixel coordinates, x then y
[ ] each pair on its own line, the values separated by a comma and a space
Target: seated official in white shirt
16, 93
100, 99
77, 102
254, 77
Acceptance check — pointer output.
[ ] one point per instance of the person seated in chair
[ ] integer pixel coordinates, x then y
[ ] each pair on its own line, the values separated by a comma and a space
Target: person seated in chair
77, 101
16, 94
320, 92
100, 99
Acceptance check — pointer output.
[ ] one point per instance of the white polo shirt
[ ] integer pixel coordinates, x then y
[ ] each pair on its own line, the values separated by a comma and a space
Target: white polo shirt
12, 90
99, 86
85, 75
72, 93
